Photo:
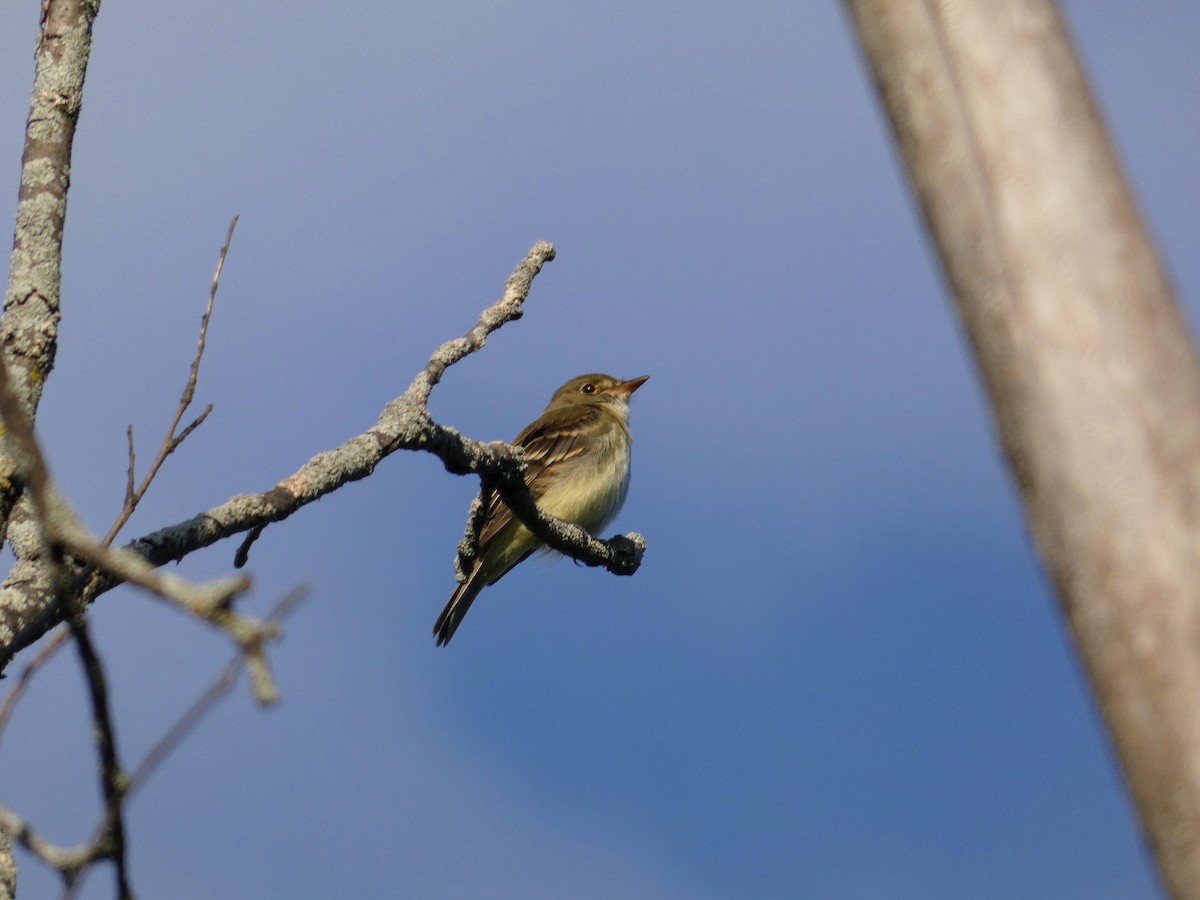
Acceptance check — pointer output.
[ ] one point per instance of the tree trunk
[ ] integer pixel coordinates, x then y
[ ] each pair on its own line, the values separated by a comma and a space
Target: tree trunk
1086, 357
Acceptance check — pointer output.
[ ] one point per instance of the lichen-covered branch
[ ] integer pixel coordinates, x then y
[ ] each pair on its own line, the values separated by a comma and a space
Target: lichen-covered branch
69, 861
65, 544
61, 567
29, 327
404, 424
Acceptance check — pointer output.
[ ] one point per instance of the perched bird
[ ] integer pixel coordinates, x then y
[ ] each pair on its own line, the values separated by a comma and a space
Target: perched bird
578, 469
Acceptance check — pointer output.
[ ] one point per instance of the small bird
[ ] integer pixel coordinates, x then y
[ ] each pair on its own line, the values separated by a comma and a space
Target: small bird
578, 469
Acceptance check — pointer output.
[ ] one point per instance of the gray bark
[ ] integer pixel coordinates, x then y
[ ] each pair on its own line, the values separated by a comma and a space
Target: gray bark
1085, 355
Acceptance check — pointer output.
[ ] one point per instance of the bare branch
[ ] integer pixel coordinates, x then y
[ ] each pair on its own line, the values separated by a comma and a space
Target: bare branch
173, 437
129, 487
205, 702
620, 554
29, 328
189, 390
62, 531
242, 556
110, 841
505, 310
117, 788
44, 655
69, 861
404, 424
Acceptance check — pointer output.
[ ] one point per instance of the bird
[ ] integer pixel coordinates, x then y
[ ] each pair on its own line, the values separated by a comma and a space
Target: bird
577, 453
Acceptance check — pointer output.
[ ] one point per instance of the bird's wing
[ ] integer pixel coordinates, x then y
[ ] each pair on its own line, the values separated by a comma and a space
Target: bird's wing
545, 446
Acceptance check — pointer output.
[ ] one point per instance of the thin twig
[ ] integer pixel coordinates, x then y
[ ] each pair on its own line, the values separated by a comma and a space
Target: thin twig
172, 439
108, 843
130, 502
62, 531
44, 655
404, 424
242, 556
210, 601
209, 699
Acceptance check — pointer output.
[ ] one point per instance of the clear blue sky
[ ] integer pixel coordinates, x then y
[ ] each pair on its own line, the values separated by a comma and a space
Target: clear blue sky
839, 673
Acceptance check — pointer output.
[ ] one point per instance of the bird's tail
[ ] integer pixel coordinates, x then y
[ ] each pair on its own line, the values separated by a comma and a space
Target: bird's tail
456, 608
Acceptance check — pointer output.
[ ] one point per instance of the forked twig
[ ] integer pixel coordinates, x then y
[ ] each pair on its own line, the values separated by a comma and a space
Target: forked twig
206, 701
404, 424
134, 493
173, 437
118, 788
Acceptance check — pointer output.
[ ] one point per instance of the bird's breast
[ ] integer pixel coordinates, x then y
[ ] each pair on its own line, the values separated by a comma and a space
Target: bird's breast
591, 489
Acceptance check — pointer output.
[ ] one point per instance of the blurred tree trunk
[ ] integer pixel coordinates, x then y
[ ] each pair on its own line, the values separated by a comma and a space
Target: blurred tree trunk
1086, 357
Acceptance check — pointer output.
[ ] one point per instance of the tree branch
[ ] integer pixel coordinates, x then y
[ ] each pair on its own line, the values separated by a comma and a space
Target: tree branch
29, 327
205, 703
404, 424
174, 437
110, 842
1086, 357
61, 532
117, 788
17, 691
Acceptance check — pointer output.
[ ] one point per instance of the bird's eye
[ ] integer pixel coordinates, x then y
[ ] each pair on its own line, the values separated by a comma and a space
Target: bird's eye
588, 388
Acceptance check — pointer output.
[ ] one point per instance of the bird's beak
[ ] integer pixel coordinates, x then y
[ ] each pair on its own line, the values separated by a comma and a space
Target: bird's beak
628, 387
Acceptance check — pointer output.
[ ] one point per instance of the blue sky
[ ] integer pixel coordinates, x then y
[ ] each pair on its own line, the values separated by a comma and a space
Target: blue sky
838, 674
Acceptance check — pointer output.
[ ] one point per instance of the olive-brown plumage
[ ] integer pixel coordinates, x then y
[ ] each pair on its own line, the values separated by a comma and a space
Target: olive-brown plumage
578, 469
